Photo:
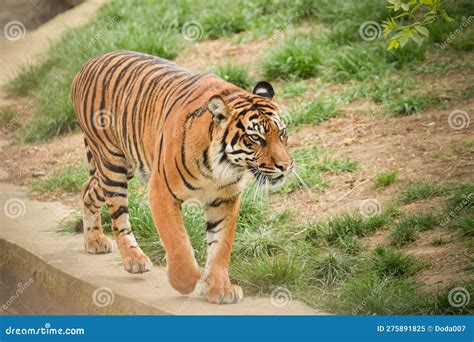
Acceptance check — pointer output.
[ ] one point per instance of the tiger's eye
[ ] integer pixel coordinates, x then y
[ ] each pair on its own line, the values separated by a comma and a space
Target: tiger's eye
254, 137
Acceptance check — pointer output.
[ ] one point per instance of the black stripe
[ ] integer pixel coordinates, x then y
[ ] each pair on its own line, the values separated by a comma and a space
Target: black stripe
100, 198
212, 225
119, 212
169, 188
205, 159
235, 138
111, 194
112, 167
110, 182
220, 200
127, 230
186, 183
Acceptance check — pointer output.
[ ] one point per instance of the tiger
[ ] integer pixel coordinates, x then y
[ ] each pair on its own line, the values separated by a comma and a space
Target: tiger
190, 136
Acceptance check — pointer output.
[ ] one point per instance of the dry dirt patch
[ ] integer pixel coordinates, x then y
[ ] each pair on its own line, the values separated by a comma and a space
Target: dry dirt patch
420, 147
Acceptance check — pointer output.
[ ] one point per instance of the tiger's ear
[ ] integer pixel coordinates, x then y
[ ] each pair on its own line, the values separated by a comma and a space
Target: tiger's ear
218, 109
264, 89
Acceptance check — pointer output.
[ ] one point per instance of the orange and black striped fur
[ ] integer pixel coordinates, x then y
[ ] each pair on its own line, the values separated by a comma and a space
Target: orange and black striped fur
191, 136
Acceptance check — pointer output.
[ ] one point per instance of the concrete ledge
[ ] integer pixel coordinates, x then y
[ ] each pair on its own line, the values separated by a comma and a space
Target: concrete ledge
13, 55
63, 279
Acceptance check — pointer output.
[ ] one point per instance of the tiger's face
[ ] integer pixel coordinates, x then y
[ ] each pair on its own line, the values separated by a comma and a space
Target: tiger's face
253, 135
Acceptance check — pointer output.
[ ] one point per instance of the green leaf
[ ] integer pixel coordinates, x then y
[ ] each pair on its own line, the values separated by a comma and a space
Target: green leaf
446, 17
427, 2
405, 7
401, 15
404, 41
422, 30
394, 44
416, 38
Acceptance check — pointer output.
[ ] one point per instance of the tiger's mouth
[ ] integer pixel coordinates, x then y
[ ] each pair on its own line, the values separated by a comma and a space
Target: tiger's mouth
267, 178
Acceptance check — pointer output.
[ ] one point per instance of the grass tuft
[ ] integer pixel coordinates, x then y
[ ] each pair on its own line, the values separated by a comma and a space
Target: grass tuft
236, 74
69, 180
384, 179
409, 226
419, 191
263, 274
297, 57
330, 268
390, 263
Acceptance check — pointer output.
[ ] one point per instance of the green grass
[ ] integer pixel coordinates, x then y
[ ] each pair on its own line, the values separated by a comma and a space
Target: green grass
311, 165
439, 242
7, 113
155, 27
330, 268
371, 294
296, 57
460, 208
68, 180
321, 108
235, 74
410, 104
384, 179
337, 166
465, 223
339, 231
355, 62
261, 275
409, 226
419, 191
465, 41
391, 263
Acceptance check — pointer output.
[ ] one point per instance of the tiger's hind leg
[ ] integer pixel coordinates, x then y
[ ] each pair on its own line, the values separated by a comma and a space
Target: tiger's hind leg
95, 241
114, 182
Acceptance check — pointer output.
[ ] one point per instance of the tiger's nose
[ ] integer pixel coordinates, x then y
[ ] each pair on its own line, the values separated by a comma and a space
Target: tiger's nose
284, 165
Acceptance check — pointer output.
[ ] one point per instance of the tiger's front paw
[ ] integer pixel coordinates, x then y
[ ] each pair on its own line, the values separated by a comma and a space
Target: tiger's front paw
225, 295
135, 261
219, 290
183, 276
99, 245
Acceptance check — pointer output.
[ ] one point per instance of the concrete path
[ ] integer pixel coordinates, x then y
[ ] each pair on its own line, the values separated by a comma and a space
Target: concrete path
16, 52
56, 276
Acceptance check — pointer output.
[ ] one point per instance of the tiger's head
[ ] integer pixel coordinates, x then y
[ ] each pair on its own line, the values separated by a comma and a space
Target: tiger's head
251, 135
